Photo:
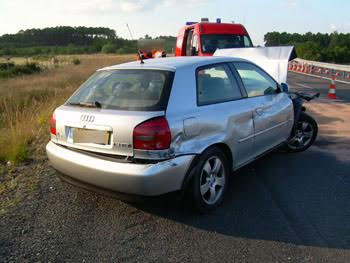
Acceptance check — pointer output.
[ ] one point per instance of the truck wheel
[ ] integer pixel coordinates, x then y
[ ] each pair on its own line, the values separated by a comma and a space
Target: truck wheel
210, 180
305, 134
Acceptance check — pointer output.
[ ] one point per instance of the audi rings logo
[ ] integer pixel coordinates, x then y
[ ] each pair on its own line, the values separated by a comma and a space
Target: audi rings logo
87, 118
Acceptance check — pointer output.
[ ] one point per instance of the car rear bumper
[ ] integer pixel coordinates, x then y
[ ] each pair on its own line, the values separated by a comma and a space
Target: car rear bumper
130, 178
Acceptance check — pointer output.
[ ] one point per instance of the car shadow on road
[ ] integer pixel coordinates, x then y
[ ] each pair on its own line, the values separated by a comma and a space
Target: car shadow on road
300, 199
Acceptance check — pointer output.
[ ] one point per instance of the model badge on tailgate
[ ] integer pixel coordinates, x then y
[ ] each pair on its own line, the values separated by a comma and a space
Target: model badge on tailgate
122, 145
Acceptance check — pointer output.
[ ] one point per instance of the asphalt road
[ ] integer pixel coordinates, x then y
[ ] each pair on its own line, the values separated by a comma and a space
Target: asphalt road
314, 84
281, 208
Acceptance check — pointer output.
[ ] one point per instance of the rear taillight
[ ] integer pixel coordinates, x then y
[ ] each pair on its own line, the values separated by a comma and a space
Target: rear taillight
53, 124
153, 134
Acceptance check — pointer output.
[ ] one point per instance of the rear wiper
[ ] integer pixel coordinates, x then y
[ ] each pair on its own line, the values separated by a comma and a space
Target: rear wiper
96, 104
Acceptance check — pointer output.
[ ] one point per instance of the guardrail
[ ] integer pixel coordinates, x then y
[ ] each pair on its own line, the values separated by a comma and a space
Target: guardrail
322, 70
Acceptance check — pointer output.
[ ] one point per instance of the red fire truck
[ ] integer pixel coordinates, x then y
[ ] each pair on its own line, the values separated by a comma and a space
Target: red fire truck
203, 38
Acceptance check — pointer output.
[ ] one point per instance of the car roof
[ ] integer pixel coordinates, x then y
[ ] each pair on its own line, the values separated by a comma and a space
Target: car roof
172, 63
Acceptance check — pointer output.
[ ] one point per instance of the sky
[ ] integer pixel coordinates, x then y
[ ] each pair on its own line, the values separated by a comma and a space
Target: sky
165, 17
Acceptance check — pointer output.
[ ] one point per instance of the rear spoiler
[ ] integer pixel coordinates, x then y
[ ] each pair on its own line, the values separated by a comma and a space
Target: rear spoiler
274, 60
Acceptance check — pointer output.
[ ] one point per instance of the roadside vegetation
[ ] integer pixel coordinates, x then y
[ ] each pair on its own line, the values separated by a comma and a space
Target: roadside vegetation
68, 40
333, 48
26, 104
65, 40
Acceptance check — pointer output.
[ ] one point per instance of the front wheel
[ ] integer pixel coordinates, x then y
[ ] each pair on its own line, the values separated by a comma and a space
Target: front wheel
304, 135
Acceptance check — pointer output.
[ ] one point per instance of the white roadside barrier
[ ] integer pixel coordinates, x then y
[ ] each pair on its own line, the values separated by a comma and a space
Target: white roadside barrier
341, 73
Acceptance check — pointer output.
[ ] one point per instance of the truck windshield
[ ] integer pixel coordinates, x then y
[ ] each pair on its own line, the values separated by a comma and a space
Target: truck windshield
210, 43
124, 89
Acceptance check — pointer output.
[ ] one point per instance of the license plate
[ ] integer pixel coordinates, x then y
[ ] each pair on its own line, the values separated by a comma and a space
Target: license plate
78, 135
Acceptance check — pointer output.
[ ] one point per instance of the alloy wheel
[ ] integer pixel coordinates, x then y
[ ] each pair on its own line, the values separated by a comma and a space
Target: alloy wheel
303, 136
212, 180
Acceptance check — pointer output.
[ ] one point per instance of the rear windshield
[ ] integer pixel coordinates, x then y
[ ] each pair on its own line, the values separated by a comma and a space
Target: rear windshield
140, 90
210, 43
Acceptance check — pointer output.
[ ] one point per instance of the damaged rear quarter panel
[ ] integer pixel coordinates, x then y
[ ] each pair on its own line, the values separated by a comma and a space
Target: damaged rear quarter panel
195, 128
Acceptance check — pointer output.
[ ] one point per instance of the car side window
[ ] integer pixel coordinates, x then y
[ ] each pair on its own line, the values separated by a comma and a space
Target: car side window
216, 84
256, 81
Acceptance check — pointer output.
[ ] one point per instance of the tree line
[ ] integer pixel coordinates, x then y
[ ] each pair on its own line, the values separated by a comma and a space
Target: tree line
333, 48
69, 40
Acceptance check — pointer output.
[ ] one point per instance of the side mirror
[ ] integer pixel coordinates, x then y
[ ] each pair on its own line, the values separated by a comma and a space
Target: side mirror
284, 87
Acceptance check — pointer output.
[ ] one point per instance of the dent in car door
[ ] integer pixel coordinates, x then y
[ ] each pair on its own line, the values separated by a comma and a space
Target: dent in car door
271, 121
223, 114
272, 113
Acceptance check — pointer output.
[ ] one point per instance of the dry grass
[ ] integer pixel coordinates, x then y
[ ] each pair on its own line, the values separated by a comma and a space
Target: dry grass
27, 102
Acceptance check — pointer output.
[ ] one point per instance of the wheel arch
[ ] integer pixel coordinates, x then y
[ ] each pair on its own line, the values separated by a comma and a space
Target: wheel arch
228, 153
190, 172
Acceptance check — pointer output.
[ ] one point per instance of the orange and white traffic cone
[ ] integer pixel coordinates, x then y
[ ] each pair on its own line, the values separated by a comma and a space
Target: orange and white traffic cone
331, 92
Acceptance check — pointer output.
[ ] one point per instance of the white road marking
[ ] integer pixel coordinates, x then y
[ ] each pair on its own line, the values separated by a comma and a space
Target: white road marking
303, 86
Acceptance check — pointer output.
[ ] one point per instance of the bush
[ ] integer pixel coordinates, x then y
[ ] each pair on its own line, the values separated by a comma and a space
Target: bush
108, 48
121, 51
76, 61
6, 66
10, 69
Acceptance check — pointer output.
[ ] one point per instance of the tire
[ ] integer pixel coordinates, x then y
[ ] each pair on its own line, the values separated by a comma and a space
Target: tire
209, 184
305, 134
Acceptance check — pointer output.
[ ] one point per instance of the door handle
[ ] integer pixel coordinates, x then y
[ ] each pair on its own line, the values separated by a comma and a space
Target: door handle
259, 111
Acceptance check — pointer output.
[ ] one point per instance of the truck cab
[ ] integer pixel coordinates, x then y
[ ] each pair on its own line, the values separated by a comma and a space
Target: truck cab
203, 38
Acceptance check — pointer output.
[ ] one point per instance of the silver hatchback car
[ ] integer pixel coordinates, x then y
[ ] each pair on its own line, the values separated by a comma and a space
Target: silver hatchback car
169, 124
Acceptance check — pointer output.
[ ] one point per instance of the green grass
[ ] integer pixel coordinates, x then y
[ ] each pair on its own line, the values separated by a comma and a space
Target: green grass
15, 150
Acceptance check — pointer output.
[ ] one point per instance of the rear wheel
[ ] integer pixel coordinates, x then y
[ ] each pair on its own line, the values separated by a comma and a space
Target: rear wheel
210, 180
305, 134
